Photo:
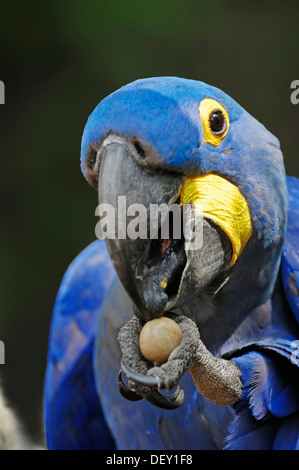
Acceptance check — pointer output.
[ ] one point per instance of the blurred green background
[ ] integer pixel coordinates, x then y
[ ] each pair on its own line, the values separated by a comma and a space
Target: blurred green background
58, 60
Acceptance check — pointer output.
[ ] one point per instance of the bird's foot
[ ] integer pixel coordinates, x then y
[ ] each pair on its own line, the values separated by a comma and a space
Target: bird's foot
146, 378
216, 378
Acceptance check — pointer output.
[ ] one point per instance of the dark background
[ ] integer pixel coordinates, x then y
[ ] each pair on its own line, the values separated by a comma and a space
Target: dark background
58, 60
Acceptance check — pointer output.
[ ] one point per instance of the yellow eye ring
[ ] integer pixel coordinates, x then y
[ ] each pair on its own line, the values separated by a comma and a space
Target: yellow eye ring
215, 121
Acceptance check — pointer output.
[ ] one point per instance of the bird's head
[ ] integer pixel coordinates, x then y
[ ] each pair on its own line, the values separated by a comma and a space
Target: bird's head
176, 142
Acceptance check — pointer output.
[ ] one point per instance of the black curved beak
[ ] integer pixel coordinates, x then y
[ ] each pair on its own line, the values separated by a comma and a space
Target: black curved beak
136, 193
145, 238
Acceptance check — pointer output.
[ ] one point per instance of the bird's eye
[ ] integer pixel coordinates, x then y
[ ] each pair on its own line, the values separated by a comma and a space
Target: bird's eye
215, 121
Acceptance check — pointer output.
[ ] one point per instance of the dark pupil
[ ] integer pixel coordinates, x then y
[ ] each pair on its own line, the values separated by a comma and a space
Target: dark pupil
217, 122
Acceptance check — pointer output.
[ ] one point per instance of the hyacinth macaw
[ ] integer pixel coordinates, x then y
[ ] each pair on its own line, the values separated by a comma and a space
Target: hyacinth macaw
236, 297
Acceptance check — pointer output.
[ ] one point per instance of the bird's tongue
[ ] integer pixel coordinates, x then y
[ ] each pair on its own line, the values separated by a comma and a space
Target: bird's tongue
164, 245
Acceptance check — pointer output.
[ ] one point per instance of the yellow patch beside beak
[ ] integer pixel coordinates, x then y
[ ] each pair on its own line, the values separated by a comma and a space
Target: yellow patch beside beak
221, 201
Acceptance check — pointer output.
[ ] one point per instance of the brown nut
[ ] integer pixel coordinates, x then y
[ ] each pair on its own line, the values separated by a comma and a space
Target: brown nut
158, 338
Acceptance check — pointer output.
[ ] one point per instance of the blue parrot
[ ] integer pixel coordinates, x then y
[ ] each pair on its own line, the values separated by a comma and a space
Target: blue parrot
170, 140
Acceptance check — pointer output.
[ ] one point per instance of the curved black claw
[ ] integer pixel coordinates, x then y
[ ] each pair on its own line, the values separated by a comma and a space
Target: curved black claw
152, 396
140, 379
166, 403
125, 391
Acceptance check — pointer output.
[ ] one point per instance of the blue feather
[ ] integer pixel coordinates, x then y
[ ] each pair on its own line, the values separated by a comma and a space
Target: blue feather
246, 433
290, 252
73, 414
270, 384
